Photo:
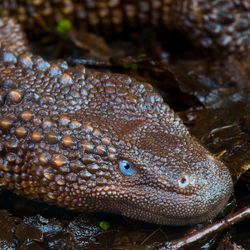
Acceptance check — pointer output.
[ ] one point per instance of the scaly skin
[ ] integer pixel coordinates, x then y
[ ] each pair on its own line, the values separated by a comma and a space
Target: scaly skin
64, 131
214, 24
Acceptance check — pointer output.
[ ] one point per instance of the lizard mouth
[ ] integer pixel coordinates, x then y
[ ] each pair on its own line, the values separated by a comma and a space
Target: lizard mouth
195, 216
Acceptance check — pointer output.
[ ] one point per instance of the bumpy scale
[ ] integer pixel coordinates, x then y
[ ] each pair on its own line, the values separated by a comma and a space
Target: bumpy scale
95, 141
215, 24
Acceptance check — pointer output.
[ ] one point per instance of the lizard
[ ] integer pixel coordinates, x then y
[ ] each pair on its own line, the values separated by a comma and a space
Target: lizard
94, 141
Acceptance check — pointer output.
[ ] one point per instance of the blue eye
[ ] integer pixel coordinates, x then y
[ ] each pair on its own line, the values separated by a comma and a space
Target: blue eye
126, 168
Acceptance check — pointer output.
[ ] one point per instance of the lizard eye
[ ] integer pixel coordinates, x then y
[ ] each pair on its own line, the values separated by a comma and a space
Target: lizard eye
126, 168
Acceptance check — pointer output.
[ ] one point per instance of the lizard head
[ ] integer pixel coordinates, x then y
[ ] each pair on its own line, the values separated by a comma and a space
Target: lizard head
163, 177
156, 171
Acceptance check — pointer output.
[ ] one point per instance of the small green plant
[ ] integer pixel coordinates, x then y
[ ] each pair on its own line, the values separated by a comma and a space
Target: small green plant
104, 225
63, 26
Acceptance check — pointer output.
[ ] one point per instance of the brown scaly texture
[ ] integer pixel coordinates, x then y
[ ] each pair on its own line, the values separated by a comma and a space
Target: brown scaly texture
66, 134
215, 24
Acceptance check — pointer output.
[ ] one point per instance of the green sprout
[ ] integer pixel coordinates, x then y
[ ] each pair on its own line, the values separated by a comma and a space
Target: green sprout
63, 26
104, 225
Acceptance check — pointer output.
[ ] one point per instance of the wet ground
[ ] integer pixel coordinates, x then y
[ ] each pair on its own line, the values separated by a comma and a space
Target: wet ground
210, 92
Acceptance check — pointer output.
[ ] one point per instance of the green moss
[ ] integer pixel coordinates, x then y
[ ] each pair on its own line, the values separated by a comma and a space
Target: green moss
63, 26
104, 225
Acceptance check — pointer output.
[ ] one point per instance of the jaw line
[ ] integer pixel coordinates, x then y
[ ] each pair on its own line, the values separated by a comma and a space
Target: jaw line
161, 218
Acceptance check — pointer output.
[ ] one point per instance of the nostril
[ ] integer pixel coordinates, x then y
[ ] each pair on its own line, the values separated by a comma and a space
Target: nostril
183, 180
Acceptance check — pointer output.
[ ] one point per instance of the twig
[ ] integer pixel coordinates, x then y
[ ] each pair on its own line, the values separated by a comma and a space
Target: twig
149, 236
88, 62
207, 231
